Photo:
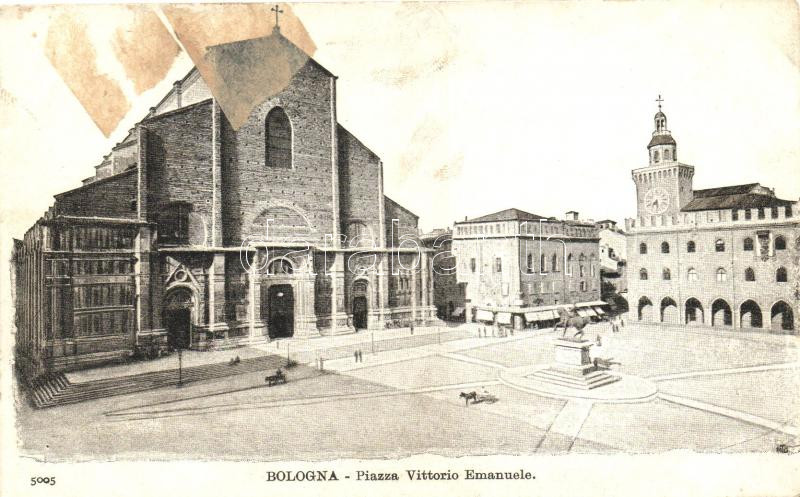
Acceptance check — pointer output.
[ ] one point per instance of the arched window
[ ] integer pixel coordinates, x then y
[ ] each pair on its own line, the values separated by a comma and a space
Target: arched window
749, 274
666, 154
655, 156
691, 275
174, 223
780, 243
748, 244
664, 248
580, 270
780, 275
583, 286
666, 274
722, 275
690, 246
719, 245
554, 262
542, 267
643, 248
643, 274
278, 139
280, 266
530, 264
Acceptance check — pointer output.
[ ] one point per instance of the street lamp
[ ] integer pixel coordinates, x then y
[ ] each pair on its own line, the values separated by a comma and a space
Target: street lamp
180, 367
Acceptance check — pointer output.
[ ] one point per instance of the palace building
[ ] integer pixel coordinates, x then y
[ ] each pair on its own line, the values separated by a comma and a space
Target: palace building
195, 234
723, 257
518, 268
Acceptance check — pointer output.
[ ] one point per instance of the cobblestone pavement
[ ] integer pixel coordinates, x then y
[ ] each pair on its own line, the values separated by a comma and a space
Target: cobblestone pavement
718, 391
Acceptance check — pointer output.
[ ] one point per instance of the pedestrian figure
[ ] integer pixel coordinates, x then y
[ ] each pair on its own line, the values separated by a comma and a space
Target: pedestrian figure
355, 356
598, 341
412, 327
360, 356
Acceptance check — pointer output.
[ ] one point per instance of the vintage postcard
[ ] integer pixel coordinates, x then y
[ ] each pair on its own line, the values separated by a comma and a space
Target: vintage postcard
400, 248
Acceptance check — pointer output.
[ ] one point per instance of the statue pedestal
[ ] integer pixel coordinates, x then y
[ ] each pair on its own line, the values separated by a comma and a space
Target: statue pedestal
573, 367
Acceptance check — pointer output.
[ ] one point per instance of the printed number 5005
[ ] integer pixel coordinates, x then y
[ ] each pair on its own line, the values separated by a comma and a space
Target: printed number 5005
46, 480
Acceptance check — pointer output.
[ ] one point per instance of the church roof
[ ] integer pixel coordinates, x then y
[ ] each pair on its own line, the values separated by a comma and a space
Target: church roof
661, 140
747, 196
506, 215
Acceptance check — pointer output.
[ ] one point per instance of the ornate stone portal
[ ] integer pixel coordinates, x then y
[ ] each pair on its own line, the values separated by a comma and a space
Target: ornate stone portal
573, 367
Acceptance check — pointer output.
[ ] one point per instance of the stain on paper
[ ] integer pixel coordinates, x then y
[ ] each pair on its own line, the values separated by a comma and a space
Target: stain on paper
242, 59
74, 57
145, 48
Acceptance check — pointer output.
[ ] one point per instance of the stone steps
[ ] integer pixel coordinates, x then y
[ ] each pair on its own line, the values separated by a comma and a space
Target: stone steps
592, 380
58, 390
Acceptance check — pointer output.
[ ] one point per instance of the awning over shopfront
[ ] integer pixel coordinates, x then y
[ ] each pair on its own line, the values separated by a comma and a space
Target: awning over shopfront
458, 312
591, 304
540, 316
598, 310
504, 317
482, 315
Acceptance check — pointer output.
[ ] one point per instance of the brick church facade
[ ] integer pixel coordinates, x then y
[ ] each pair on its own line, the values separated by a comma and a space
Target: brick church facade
195, 234
724, 257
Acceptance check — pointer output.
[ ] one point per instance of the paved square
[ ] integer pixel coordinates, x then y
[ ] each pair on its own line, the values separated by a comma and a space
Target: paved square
717, 391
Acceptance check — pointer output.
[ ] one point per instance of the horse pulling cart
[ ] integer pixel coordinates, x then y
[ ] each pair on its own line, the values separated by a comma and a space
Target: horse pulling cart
276, 378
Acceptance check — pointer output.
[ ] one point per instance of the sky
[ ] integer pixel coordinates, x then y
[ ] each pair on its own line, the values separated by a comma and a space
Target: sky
475, 107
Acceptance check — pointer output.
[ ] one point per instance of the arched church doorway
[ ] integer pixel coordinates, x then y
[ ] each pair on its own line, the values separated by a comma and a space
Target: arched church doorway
280, 302
177, 317
360, 320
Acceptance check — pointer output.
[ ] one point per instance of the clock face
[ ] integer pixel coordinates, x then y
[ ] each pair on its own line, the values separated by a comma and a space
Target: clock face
656, 200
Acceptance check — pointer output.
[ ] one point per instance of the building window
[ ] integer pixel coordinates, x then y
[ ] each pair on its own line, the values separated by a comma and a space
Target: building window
780, 275
722, 275
174, 223
748, 214
580, 270
761, 213
735, 215
472, 264
642, 248
691, 247
541, 263
774, 213
278, 139
748, 244
530, 264
749, 274
554, 262
643, 274
719, 245
655, 156
664, 248
498, 265
692, 274
666, 154
583, 286
780, 243
666, 274
788, 211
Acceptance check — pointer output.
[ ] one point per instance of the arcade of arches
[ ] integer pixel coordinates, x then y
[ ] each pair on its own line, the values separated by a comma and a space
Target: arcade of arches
718, 312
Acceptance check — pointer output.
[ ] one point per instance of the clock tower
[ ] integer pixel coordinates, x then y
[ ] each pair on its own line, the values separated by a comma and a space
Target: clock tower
664, 186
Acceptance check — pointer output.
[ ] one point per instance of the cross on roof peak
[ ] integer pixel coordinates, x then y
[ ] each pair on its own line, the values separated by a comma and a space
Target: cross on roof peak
277, 11
659, 100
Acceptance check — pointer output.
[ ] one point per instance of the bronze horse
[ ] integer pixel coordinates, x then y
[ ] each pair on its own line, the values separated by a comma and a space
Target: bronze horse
569, 318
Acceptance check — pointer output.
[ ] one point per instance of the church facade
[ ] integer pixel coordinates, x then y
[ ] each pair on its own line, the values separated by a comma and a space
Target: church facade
724, 257
193, 234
